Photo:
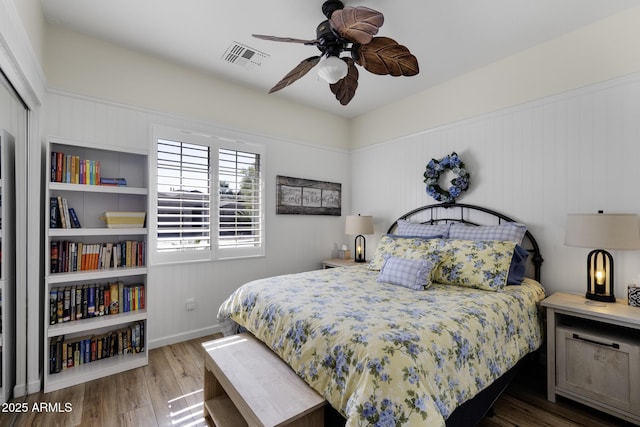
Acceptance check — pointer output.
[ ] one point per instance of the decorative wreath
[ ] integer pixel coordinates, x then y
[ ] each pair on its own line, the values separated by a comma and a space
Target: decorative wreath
432, 176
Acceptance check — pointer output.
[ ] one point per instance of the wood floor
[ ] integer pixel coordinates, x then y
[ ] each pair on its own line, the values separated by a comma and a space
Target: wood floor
168, 392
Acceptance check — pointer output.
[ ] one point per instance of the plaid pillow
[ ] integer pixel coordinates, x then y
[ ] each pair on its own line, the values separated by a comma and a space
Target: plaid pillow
414, 274
510, 231
406, 228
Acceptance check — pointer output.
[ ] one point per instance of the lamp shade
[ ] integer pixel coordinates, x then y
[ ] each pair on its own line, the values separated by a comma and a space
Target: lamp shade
358, 224
332, 69
603, 231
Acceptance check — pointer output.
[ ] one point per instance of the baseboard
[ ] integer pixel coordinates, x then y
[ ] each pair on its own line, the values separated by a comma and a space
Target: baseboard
173, 339
33, 387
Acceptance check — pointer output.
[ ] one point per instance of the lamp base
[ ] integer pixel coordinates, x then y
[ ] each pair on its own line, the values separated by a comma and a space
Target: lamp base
600, 297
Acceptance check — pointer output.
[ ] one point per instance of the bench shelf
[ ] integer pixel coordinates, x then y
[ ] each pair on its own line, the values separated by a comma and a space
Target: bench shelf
246, 384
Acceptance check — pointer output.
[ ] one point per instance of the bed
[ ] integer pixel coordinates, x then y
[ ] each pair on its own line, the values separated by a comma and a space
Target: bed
428, 333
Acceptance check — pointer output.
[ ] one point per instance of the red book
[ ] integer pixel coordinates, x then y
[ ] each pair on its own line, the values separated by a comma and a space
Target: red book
59, 166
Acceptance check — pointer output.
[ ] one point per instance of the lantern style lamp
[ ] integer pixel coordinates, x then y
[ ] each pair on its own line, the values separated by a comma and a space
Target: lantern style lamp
359, 225
602, 231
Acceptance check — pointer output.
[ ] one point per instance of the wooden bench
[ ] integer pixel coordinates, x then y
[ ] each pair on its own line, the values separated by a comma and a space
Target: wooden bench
246, 384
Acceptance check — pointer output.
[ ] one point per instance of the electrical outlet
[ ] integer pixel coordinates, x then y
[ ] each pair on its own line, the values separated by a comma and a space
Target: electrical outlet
190, 304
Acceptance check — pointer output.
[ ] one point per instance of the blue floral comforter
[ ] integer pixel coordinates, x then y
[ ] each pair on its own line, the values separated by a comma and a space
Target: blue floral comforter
386, 355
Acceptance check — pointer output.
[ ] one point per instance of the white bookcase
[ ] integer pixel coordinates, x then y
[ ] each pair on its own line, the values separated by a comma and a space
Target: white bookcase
7, 266
90, 202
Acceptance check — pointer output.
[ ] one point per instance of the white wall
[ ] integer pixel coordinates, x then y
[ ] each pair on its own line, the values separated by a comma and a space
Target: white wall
87, 66
601, 51
32, 18
294, 243
576, 152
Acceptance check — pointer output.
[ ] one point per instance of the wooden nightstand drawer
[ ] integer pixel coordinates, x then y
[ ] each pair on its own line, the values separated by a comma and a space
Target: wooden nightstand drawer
598, 365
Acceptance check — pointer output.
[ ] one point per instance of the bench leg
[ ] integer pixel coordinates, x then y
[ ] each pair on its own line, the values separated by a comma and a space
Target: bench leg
312, 419
212, 389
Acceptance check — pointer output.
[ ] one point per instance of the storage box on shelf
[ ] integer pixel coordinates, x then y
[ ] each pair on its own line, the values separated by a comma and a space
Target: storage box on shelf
96, 276
7, 266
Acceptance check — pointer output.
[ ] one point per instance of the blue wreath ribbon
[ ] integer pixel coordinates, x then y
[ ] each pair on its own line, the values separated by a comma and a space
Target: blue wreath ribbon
458, 185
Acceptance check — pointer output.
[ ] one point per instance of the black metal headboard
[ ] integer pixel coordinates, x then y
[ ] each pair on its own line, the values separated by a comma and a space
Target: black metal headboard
472, 215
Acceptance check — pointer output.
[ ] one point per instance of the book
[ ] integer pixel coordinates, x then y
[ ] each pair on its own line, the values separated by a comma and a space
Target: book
55, 354
75, 222
67, 218
59, 166
54, 167
91, 301
54, 214
63, 223
53, 306
80, 253
72, 170
85, 301
67, 169
66, 310
54, 254
108, 256
114, 295
113, 181
79, 300
60, 305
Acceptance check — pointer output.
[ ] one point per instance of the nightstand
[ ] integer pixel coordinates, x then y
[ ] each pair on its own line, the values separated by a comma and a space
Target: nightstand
339, 262
593, 354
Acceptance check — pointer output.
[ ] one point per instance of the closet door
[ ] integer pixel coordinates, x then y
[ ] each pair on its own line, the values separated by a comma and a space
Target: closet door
13, 232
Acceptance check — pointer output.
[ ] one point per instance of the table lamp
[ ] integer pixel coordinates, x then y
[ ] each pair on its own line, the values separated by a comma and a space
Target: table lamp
359, 225
602, 231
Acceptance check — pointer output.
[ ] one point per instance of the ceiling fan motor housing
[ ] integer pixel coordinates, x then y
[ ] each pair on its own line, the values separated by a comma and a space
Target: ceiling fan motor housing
329, 42
331, 6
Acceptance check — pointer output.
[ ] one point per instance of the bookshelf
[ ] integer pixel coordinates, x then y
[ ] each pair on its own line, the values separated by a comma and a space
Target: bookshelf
95, 318
7, 266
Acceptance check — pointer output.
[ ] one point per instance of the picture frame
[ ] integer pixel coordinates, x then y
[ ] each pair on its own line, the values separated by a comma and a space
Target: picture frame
300, 196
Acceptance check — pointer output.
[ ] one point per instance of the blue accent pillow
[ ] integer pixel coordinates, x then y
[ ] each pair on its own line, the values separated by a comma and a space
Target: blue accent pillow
414, 274
518, 266
414, 229
511, 231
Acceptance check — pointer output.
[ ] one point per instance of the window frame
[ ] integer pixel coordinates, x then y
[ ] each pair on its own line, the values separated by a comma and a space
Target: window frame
215, 143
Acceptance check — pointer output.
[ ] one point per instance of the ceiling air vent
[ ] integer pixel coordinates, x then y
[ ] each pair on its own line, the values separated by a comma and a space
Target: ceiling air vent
244, 56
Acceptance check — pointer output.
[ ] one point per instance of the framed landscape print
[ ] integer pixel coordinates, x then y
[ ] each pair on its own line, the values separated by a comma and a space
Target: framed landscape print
307, 197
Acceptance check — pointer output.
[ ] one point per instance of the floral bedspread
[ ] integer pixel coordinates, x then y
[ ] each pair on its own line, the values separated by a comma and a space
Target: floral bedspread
387, 355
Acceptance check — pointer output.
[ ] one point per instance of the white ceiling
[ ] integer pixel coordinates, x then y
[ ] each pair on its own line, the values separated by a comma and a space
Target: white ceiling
449, 37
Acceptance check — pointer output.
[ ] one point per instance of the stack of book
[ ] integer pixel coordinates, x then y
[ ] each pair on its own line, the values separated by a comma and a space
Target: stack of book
68, 256
71, 169
61, 215
68, 353
84, 301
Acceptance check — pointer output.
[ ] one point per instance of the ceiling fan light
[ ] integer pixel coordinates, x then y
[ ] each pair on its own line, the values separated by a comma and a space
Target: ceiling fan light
332, 69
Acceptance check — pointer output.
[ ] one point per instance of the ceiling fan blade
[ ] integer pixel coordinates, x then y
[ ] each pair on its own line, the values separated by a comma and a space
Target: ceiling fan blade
345, 88
285, 39
358, 24
299, 71
385, 56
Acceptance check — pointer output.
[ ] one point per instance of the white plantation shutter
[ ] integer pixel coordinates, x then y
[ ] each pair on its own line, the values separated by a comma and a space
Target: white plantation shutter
240, 201
209, 198
184, 196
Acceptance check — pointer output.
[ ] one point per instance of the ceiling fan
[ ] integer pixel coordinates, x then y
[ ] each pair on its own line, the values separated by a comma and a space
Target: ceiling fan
352, 30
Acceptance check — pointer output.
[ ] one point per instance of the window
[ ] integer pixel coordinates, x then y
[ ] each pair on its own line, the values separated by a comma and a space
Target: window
239, 217
192, 221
